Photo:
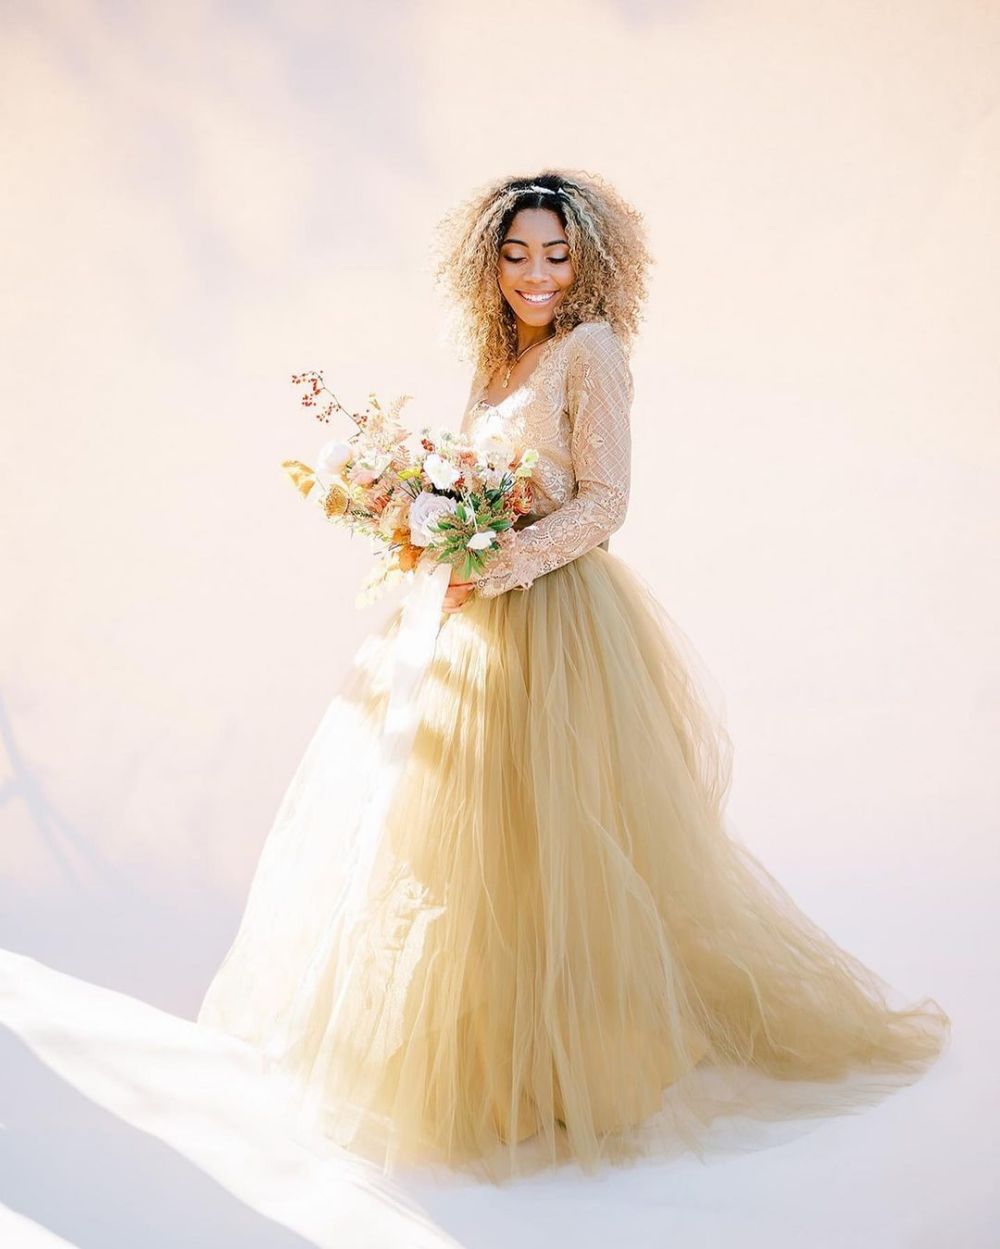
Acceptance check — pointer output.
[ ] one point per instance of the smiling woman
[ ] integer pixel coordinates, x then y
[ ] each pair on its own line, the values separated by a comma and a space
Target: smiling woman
533, 274
558, 940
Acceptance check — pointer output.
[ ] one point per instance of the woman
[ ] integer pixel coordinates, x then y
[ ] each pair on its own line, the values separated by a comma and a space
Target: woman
560, 952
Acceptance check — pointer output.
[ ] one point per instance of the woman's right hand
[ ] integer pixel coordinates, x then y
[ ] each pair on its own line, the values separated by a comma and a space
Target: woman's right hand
457, 594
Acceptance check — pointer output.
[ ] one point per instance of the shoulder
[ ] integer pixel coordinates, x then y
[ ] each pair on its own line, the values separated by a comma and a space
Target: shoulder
596, 342
595, 334
596, 350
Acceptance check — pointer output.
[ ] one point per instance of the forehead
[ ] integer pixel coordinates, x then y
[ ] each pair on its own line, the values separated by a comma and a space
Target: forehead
535, 224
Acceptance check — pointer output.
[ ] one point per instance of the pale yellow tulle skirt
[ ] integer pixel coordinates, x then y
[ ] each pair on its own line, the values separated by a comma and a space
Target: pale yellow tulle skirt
563, 954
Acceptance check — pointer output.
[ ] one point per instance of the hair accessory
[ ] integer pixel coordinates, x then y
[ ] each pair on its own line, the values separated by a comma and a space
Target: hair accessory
546, 190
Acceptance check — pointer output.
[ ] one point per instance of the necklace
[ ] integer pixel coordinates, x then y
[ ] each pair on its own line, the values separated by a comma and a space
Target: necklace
510, 367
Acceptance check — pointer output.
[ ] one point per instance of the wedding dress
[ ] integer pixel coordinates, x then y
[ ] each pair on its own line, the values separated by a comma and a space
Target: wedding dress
558, 951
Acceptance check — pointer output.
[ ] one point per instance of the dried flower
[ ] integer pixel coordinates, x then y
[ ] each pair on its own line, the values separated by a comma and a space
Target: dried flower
336, 502
303, 478
453, 501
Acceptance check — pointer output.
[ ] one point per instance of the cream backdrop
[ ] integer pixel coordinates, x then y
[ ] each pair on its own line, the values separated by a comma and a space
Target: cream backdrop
200, 199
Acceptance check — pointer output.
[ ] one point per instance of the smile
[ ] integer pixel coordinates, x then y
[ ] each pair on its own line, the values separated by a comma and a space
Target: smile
541, 297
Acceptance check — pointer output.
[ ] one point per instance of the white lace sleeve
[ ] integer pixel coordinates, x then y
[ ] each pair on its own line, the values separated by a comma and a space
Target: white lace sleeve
599, 391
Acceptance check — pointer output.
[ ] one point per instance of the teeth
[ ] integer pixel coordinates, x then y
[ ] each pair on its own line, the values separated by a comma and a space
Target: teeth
536, 299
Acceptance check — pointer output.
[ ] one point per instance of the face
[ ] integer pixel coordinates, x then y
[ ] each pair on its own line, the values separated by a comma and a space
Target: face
534, 261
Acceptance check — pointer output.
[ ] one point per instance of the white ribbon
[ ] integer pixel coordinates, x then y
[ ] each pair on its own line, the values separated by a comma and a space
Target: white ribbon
419, 625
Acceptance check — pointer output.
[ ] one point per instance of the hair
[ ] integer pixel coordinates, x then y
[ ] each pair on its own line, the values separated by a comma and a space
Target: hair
607, 244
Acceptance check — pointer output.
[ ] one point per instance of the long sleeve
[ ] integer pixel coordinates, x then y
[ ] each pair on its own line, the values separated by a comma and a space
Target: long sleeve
599, 390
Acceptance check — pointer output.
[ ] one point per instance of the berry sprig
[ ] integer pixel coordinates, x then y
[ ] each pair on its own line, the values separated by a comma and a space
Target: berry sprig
313, 379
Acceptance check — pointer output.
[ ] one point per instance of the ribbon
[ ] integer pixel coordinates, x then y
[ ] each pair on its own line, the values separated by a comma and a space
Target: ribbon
419, 624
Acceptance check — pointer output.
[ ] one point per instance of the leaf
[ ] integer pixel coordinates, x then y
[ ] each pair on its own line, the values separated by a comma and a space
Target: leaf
302, 476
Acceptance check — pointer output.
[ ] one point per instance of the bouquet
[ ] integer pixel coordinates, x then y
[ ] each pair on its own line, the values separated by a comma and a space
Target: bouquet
446, 502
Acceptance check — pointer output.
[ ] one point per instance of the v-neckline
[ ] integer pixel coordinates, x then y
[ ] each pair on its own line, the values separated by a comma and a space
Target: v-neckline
543, 357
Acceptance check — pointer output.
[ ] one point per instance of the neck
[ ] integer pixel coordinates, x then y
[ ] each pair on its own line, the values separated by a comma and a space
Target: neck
529, 335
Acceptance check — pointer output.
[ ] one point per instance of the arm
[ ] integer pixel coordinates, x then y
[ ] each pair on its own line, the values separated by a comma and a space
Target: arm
599, 391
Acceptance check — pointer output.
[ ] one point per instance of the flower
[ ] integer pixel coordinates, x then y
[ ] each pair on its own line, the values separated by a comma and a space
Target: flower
440, 473
425, 510
522, 497
333, 457
494, 448
490, 442
393, 518
336, 501
374, 484
527, 463
409, 555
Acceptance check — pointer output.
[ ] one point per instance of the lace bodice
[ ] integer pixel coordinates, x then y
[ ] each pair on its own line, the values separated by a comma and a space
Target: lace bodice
575, 410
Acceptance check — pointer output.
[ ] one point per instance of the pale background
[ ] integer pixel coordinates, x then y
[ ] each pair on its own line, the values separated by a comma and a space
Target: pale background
200, 199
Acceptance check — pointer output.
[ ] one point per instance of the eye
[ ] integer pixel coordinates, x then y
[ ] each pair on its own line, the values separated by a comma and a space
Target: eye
559, 260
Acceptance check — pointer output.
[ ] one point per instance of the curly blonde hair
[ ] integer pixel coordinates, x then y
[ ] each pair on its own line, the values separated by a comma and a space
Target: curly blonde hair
607, 243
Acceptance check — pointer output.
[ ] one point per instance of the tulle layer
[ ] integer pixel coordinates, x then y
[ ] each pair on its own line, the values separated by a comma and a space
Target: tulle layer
562, 953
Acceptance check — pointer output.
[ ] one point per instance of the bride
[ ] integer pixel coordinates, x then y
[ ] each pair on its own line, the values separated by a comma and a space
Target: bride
556, 950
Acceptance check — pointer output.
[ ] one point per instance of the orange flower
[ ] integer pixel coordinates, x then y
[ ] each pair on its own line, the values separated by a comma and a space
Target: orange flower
409, 555
336, 502
521, 496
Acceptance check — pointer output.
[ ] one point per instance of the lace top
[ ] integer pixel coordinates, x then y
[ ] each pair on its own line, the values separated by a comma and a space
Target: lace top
574, 409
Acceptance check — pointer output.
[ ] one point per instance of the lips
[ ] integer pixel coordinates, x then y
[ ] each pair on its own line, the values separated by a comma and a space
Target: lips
538, 297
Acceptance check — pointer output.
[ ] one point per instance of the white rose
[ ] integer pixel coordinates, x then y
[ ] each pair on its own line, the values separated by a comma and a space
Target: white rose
442, 474
425, 509
495, 449
333, 456
480, 541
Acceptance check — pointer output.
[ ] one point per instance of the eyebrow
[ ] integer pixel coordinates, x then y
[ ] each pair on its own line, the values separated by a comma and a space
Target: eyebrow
554, 242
